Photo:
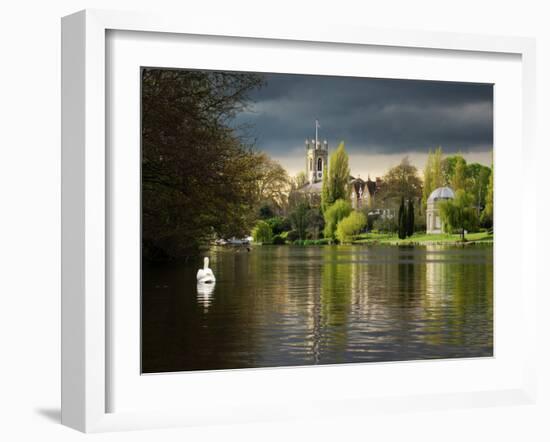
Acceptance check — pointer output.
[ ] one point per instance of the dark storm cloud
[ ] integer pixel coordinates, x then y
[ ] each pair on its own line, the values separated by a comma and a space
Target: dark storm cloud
371, 115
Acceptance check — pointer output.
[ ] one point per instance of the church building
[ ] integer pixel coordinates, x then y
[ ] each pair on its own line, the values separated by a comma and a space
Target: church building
316, 160
362, 193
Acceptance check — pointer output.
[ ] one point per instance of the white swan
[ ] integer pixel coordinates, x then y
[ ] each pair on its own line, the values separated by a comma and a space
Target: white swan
205, 274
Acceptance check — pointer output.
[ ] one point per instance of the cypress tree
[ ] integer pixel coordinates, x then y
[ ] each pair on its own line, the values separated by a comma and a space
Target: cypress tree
401, 219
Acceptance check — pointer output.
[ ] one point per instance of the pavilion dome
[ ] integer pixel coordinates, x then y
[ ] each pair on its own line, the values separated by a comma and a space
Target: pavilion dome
441, 193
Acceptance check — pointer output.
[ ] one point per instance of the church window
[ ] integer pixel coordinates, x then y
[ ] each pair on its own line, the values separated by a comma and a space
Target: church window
311, 164
319, 164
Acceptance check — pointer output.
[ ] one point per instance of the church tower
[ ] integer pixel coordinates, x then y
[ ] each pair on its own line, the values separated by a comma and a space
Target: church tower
316, 157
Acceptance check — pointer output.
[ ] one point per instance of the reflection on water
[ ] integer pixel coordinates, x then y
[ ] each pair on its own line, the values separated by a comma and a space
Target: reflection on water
204, 293
283, 305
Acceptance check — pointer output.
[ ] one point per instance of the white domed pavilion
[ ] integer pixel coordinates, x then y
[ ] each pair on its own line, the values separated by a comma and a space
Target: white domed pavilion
433, 221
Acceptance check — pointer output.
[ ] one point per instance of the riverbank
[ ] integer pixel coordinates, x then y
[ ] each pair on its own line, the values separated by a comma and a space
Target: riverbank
419, 238
423, 239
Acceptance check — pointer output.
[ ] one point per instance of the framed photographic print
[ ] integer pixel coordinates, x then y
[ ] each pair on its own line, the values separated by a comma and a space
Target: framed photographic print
300, 260
250, 214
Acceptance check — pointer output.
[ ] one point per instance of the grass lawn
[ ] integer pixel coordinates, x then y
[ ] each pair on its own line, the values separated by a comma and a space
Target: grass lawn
419, 238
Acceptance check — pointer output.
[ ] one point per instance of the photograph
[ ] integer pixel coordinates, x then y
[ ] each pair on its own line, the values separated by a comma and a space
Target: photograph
303, 220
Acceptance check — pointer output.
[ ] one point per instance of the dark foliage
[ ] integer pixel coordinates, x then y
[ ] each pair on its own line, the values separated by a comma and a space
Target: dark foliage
266, 212
299, 219
279, 224
198, 180
402, 220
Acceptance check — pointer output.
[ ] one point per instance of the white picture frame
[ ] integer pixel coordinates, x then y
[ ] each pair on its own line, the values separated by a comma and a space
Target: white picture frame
86, 316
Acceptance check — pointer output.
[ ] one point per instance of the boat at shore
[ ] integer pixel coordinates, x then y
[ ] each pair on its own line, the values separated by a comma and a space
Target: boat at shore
234, 241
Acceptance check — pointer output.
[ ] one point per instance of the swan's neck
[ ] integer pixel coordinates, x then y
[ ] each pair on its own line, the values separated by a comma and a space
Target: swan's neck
205, 263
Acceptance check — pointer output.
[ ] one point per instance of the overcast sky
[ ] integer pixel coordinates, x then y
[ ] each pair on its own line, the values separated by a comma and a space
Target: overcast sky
380, 120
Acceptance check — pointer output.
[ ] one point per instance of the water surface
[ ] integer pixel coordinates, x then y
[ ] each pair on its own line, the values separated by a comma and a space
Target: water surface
286, 305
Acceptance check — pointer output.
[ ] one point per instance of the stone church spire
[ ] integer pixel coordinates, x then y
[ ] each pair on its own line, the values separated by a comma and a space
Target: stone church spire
316, 157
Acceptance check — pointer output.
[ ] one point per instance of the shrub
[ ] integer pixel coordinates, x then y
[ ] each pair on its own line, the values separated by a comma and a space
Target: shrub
333, 215
278, 240
262, 233
279, 224
351, 225
315, 242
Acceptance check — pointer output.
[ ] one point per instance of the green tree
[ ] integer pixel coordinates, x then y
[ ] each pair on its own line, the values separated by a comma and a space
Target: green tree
333, 215
315, 222
401, 181
487, 215
336, 180
477, 181
427, 187
433, 174
299, 219
458, 214
410, 218
295, 196
473, 178
448, 165
437, 168
272, 182
458, 179
262, 233
351, 225
198, 177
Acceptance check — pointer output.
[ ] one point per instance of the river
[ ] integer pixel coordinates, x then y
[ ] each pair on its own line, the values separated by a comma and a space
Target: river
290, 305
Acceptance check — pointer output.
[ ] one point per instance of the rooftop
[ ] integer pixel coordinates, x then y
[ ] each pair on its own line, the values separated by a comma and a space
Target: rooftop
441, 193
